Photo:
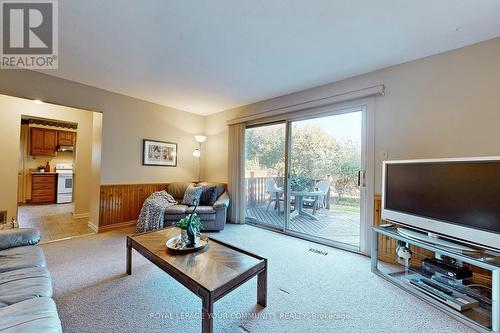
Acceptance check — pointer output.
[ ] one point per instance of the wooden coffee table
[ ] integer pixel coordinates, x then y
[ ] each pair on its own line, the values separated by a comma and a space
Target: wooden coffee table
210, 273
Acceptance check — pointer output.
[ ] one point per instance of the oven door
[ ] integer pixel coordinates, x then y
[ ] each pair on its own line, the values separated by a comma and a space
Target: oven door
65, 183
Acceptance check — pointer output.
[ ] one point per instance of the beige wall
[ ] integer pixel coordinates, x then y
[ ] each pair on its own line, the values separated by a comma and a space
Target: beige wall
216, 146
11, 110
95, 191
124, 128
32, 162
125, 122
442, 106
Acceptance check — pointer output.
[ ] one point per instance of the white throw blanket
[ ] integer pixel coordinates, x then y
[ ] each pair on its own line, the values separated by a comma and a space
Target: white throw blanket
153, 211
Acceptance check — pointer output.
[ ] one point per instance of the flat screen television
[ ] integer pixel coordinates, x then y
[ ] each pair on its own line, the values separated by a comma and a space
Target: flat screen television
452, 198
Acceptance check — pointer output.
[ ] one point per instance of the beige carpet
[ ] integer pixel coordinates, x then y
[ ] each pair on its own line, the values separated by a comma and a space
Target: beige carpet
308, 292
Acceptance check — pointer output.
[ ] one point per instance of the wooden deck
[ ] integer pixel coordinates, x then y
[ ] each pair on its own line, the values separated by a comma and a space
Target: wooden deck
335, 225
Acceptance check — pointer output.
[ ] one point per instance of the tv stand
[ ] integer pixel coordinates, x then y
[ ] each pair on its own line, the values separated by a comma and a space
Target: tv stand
436, 240
483, 318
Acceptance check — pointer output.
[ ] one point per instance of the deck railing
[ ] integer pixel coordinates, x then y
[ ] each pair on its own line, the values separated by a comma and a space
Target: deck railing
256, 193
255, 189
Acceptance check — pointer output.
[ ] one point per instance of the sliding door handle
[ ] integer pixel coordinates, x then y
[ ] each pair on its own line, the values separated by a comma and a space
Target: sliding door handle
361, 178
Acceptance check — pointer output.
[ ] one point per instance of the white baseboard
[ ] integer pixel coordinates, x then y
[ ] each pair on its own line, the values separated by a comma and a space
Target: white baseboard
93, 226
81, 216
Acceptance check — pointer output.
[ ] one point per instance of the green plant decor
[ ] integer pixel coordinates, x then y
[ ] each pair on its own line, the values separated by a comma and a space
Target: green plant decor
301, 182
184, 222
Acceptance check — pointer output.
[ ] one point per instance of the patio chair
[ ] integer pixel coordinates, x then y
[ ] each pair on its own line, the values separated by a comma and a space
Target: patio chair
324, 187
319, 202
275, 194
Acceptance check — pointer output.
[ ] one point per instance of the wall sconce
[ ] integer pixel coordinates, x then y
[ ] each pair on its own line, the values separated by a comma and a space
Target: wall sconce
197, 152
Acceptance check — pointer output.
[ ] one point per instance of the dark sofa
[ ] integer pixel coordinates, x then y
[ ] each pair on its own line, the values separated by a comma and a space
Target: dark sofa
213, 217
25, 285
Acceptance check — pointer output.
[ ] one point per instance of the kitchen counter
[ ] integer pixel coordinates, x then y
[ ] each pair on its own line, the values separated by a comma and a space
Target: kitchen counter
43, 173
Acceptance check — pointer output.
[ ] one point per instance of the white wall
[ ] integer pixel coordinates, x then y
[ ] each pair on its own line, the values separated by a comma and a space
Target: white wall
446, 105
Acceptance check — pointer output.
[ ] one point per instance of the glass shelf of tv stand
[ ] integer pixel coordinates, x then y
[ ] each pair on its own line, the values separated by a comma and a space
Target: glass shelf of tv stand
480, 258
481, 315
481, 318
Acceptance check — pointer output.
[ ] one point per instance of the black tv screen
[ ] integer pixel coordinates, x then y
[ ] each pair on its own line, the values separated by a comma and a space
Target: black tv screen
462, 193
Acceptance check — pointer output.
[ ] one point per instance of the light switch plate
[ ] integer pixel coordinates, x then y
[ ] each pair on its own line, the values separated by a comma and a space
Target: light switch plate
385, 154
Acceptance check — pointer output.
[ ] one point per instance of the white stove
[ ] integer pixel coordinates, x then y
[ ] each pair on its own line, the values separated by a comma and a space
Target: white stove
64, 182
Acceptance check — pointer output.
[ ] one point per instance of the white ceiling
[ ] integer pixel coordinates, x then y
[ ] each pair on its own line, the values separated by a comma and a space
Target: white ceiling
205, 56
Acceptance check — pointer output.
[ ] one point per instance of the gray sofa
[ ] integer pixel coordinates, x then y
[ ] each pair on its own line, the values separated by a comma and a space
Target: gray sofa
213, 217
25, 285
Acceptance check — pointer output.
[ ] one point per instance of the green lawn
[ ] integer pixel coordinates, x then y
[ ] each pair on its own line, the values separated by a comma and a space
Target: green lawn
342, 208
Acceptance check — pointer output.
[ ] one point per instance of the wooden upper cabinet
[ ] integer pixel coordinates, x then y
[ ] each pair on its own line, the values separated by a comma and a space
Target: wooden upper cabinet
37, 140
66, 138
50, 142
43, 142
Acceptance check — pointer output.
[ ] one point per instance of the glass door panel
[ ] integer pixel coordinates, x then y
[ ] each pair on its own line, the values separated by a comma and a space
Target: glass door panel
325, 161
264, 175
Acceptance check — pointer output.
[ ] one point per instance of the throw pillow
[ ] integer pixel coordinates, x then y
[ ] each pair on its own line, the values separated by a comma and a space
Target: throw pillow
192, 194
209, 196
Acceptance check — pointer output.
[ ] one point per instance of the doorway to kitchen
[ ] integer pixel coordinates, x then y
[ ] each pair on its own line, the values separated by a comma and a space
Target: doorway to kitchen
57, 158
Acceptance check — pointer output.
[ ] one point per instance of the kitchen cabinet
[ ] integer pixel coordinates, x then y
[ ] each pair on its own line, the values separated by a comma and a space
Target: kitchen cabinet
43, 188
66, 138
43, 142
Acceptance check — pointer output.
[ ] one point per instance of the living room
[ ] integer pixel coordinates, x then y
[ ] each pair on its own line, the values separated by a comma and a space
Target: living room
263, 115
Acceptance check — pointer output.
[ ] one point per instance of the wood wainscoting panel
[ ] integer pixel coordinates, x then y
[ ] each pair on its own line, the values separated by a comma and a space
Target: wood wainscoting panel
387, 248
120, 204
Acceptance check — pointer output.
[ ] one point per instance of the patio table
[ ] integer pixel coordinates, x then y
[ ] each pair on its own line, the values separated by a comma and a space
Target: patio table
299, 203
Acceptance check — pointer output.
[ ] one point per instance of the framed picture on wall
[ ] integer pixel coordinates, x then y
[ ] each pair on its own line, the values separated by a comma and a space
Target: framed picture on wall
159, 153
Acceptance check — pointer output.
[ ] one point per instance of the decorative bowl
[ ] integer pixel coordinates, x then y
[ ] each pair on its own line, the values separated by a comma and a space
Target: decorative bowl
177, 245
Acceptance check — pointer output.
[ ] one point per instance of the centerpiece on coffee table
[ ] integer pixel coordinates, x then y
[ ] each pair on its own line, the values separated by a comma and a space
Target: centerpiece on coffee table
190, 238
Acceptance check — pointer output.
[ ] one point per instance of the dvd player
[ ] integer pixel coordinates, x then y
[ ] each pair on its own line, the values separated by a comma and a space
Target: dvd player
433, 266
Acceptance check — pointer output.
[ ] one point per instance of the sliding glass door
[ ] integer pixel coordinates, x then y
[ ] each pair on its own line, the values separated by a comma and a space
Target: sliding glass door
264, 175
325, 161
305, 177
